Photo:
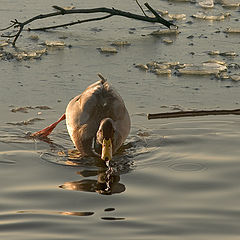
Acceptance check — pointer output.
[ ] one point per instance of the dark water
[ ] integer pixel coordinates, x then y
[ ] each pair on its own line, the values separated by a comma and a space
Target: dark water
173, 179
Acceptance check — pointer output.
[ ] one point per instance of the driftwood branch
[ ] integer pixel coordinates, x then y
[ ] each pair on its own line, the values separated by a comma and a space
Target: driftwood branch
61, 11
192, 113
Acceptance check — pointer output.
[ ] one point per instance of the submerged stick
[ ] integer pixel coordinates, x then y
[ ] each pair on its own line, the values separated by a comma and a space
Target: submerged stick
192, 113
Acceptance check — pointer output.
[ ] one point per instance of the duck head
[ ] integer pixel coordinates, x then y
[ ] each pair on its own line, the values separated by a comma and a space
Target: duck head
105, 135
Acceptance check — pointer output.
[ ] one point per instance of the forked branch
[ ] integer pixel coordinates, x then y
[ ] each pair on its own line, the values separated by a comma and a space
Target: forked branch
61, 11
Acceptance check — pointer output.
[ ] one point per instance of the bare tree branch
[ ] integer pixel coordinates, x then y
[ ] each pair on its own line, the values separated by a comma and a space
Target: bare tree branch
158, 17
192, 113
61, 11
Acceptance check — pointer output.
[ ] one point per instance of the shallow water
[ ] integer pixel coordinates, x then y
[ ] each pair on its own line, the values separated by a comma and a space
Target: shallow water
173, 179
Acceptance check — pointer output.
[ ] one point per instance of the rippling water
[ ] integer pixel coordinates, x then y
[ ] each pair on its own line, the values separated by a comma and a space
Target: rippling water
172, 179
177, 179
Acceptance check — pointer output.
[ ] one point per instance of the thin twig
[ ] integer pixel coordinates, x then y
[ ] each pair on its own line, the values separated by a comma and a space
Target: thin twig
8, 36
4, 29
141, 8
192, 113
69, 24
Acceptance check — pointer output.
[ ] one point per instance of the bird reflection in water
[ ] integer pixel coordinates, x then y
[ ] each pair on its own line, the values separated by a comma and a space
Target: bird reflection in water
46, 212
107, 183
108, 177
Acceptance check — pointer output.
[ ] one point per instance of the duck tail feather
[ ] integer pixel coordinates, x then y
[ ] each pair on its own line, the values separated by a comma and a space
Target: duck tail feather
103, 80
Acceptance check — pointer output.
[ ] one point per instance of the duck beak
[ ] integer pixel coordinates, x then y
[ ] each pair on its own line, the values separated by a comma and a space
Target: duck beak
106, 150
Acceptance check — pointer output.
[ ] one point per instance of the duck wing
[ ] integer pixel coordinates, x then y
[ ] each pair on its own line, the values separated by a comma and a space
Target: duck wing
82, 118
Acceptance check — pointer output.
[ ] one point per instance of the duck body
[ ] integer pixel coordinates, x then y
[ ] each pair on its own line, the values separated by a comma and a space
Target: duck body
98, 119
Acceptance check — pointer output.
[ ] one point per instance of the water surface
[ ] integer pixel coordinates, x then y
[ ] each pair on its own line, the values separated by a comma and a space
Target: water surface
173, 179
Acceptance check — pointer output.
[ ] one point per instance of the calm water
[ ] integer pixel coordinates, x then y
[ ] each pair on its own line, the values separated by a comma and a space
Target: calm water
173, 179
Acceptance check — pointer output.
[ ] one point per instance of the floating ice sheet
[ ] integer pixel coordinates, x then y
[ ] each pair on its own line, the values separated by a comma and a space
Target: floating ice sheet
55, 43
230, 3
177, 16
108, 50
217, 68
206, 3
26, 122
22, 54
232, 30
165, 32
201, 15
163, 71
